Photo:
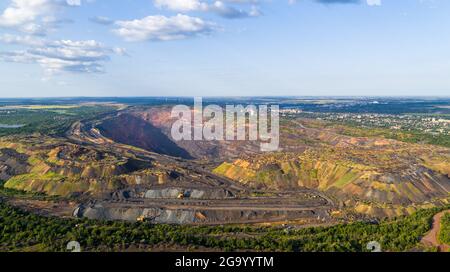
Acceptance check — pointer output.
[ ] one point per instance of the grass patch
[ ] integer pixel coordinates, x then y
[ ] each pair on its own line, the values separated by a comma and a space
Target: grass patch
444, 233
346, 179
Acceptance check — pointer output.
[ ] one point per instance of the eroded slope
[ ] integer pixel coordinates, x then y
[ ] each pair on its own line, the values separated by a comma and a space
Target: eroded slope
375, 176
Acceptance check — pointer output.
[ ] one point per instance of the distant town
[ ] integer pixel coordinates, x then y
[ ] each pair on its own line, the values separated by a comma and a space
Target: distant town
430, 124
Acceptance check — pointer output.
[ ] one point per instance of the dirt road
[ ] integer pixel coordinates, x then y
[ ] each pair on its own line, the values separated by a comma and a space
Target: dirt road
431, 239
45, 208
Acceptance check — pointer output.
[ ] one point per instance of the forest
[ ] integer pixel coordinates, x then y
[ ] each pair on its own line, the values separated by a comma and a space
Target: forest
25, 231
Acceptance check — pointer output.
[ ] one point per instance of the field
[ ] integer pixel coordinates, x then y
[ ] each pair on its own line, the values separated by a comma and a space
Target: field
48, 119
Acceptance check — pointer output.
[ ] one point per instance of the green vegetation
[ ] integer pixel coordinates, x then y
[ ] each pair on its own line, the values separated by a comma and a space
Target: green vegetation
346, 179
23, 231
444, 233
8, 192
416, 133
414, 136
48, 120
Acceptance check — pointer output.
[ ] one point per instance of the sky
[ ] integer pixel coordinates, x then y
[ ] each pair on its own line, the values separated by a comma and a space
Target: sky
60, 48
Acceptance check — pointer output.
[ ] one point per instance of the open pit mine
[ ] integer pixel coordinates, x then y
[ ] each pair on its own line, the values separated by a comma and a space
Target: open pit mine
124, 165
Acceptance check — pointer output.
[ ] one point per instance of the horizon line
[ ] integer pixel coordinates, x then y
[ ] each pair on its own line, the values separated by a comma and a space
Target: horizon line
232, 96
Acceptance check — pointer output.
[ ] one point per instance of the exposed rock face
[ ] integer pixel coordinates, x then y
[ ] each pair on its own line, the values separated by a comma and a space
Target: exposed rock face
56, 167
211, 150
131, 130
207, 193
104, 211
12, 163
370, 180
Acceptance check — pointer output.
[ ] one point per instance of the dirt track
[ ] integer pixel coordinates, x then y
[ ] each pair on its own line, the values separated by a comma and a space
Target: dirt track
45, 208
431, 239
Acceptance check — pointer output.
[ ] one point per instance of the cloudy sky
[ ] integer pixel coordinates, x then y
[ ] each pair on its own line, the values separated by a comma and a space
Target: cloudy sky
227, 47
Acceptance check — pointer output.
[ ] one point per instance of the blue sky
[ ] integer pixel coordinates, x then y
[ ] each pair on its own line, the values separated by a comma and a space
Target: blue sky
220, 48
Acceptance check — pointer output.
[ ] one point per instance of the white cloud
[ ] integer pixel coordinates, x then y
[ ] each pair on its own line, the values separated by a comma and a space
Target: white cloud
221, 8
102, 20
62, 55
374, 2
74, 2
33, 16
162, 28
22, 40
181, 5
226, 11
